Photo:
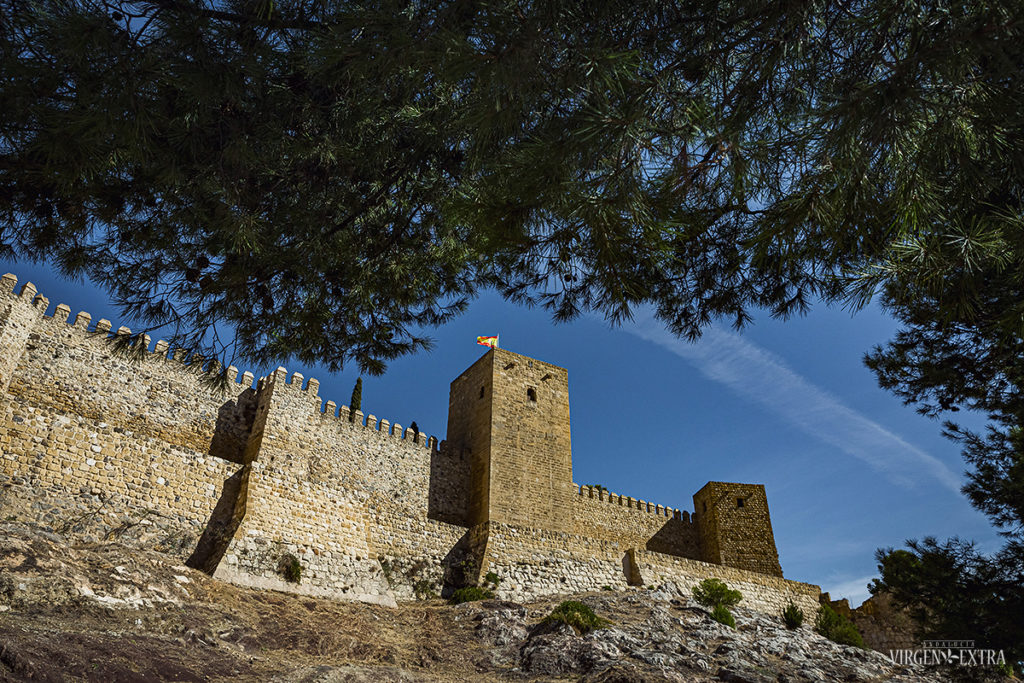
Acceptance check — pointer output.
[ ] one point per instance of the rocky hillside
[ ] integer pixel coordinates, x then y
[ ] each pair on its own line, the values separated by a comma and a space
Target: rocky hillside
105, 612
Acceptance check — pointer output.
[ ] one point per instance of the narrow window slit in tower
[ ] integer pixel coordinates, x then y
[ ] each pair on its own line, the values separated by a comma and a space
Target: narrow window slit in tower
531, 394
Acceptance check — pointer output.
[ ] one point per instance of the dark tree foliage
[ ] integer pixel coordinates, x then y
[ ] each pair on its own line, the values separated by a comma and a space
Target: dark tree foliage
792, 616
715, 592
322, 180
955, 592
959, 349
327, 178
837, 628
959, 299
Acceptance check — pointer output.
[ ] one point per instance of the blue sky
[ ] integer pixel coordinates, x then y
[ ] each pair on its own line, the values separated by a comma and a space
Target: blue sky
790, 405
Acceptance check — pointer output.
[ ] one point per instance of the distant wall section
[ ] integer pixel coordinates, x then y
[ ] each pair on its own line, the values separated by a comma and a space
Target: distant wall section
575, 563
767, 594
634, 523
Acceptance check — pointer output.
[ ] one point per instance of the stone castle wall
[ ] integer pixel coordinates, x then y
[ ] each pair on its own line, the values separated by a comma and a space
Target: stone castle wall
235, 481
237, 478
75, 419
883, 625
634, 523
535, 562
348, 498
768, 594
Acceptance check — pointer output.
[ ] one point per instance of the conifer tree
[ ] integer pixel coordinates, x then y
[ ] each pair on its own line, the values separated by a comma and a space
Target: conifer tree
327, 179
356, 402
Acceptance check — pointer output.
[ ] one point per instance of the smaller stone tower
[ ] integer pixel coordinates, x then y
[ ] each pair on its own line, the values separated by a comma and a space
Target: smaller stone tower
735, 528
509, 414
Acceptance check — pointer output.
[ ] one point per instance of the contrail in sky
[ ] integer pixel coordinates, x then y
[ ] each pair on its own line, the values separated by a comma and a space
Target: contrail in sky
765, 378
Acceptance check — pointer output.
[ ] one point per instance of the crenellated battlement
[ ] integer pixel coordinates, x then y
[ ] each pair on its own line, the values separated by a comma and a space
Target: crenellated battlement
83, 321
602, 494
371, 422
328, 410
161, 349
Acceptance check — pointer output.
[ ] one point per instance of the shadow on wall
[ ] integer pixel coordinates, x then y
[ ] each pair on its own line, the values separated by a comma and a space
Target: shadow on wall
234, 423
677, 537
230, 436
631, 570
462, 563
449, 483
223, 523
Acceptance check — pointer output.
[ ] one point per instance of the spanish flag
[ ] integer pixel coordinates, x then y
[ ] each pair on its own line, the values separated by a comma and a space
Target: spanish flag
488, 341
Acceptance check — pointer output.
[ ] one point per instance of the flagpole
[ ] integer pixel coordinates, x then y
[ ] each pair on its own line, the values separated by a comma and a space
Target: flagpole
497, 340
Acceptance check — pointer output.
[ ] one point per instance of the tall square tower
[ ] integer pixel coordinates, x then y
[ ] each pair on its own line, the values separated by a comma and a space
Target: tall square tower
509, 414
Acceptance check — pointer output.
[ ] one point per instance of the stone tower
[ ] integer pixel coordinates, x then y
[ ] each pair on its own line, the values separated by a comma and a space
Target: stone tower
509, 415
735, 528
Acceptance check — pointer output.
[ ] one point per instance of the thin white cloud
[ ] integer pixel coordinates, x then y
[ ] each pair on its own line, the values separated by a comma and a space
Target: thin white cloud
761, 376
854, 590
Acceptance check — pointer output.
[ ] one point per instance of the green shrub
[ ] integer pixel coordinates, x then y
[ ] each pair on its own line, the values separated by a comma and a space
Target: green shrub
722, 615
492, 579
290, 568
470, 594
793, 616
467, 571
424, 590
714, 593
837, 628
577, 615
607, 588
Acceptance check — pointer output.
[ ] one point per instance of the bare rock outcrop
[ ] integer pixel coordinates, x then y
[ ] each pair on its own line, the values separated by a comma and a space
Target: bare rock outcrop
106, 611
